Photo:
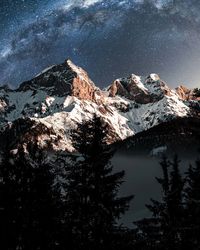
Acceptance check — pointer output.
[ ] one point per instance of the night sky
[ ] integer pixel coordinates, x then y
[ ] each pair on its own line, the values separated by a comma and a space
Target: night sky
108, 38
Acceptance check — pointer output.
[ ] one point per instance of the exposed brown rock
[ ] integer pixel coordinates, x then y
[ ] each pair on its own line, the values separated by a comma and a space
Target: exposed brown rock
187, 94
82, 86
136, 93
117, 88
2, 105
82, 90
128, 87
183, 92
103, 110
64, 79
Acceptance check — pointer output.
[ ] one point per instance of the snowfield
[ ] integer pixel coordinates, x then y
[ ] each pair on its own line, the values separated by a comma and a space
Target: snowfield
62, 113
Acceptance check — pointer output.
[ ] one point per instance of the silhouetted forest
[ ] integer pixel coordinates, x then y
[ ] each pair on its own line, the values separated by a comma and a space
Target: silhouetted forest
72, 202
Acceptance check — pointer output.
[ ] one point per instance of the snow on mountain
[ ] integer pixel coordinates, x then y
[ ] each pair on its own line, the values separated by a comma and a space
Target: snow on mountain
45, 70
144, 116
63, 96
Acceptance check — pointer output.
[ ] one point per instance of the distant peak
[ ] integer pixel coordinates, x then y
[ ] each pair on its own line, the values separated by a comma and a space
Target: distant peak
71, 64
135, 78
153, 77
134, 88
185, 94
80, 72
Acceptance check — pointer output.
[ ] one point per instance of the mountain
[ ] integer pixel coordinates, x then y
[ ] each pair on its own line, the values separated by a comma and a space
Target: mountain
179, 136
47, 109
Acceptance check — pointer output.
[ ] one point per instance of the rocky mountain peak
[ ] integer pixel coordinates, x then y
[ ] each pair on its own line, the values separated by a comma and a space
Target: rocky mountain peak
133, 88
153, 78
56, 101
186, 94
136, 79
82, 86
183, 92
64, 79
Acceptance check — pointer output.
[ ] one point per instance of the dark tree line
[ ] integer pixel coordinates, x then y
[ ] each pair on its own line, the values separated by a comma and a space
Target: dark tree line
92, 191
29, 204
73, 203
175, 220
78, 209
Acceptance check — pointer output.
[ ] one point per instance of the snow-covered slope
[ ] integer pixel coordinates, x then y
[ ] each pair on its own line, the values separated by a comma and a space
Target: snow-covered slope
63, 96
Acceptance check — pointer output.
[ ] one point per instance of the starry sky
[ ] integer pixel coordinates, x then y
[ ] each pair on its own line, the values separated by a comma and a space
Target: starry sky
109, 38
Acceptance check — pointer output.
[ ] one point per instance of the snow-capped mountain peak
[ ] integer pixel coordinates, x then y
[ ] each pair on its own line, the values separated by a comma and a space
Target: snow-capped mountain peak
49, 107
153, 77
63, 79
150, 90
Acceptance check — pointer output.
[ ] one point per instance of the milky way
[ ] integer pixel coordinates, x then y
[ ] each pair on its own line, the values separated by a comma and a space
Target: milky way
108, 38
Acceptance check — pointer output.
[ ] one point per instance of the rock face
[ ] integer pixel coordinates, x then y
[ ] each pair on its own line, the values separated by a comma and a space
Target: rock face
64, 79
47, 109
187, 94
151, 90
2, 105
131, 88
183, 92
82, 86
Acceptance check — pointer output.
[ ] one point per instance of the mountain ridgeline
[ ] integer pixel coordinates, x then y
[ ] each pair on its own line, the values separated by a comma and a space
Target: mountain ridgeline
46, 109
59, 186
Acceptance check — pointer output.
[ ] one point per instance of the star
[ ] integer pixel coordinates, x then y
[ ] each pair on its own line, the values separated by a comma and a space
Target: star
108, 38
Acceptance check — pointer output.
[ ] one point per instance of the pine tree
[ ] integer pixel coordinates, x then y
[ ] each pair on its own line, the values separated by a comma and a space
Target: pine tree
192, 211
29, 205
93, 205
175, 205
151, 229
164, 229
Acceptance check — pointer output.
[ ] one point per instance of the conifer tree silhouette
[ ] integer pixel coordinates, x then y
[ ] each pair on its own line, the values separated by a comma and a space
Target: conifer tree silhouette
92, 198
164, 229
29, 204
192, 209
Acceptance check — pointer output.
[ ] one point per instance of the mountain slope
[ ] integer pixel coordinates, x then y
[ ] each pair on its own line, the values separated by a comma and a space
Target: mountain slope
51, 106
180, 136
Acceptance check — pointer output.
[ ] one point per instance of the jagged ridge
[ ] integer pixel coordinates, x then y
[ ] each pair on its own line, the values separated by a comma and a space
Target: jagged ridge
63, 96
